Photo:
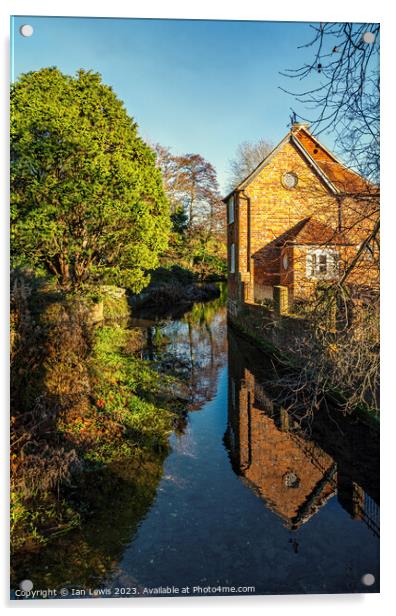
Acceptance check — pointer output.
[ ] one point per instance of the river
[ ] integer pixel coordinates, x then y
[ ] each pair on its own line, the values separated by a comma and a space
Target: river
246, 498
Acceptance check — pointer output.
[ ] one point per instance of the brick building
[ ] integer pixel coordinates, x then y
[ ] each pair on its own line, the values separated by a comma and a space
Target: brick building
298, 218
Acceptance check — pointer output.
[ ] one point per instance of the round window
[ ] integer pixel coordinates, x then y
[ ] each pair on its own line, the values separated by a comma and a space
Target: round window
291, 480
285, 262
289, 180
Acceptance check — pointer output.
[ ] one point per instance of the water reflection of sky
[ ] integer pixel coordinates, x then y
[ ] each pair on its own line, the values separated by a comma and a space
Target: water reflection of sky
221, 515
243, 498
211, 528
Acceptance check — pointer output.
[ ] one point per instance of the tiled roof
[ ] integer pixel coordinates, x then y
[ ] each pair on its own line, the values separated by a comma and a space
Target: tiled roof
339, 178
312, 231
342, 178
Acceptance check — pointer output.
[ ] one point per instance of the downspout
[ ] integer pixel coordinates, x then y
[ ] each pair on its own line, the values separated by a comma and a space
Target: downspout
340, 221
248, 221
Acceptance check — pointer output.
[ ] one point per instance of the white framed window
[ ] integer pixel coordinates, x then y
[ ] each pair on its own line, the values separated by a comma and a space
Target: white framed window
232, 258
231, 209
322, 263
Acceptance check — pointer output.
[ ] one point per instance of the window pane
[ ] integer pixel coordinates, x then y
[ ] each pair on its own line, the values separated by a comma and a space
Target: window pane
333, 265
323, 264
313, 265
231, 210
232, 259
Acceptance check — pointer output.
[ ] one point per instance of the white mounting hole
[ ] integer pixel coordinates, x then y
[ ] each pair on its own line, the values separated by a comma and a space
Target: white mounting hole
368, 579
368, 37
26, 30
26, 585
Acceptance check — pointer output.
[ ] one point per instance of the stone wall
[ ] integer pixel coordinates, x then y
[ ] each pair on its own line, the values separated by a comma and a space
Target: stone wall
267, 328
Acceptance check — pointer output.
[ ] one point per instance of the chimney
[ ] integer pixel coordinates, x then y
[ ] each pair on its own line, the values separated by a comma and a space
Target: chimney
297, 125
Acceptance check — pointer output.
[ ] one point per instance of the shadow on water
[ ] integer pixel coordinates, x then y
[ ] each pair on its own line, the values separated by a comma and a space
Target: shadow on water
114, 500
248, 495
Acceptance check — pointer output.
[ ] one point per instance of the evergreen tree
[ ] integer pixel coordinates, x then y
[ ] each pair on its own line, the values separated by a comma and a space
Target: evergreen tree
87, 201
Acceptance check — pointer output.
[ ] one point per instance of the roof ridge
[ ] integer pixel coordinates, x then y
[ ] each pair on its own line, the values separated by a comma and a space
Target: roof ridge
314, 164
293, 137
332, 155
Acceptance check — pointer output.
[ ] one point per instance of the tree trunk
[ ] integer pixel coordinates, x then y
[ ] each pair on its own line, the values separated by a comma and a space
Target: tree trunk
64, 270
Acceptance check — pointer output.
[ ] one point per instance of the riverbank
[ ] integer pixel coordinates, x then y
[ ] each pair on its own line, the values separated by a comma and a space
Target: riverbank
316, 364
241, 481
83, 399
175, 287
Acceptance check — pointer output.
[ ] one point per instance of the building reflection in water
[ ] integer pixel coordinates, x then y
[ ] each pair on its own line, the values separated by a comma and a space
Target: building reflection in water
294, 474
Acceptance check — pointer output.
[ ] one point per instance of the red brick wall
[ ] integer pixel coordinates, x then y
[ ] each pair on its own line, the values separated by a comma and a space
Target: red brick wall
273, 210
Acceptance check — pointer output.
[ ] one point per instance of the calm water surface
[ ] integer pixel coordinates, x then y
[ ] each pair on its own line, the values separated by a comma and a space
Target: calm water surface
245, 498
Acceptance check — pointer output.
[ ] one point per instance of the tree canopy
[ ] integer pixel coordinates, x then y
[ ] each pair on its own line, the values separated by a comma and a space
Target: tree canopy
87, 200
198, 240
248, 155
191, 185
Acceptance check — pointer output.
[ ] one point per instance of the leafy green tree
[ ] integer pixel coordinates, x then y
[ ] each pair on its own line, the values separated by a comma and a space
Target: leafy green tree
87, 200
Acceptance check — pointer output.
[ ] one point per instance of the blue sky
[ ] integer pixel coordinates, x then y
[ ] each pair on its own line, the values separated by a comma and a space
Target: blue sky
194, 86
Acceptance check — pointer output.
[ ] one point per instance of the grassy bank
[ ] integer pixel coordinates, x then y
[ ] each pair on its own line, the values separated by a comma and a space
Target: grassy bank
82, 401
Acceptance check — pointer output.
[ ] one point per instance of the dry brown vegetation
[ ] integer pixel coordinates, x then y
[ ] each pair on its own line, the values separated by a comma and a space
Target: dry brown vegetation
75, 400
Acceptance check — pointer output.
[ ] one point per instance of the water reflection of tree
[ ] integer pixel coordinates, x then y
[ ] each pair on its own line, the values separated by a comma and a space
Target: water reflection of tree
195, 350
207, 343
192, 348
114, 502
116, 499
